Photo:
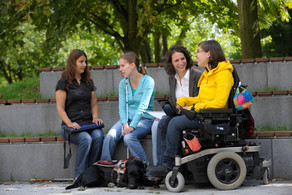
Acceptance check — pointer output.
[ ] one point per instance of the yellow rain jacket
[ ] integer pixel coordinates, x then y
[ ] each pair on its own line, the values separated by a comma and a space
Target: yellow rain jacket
215, 87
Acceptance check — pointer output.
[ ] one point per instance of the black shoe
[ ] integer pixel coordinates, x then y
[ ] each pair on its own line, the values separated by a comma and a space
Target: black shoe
159, 171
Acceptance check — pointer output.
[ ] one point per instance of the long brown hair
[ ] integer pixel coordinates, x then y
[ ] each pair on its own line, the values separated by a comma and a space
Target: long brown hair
132, 57
69, 72
216, 52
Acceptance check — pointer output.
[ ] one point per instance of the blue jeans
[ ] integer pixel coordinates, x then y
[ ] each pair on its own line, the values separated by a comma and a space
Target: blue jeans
131, 140
171, 137
155, 144
88, 149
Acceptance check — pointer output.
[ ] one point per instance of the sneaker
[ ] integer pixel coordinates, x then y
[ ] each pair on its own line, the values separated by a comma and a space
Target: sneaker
158, 171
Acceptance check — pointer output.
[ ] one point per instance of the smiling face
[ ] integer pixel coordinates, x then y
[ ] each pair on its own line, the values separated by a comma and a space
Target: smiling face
202, 57
80, 65
179, 62
126, 68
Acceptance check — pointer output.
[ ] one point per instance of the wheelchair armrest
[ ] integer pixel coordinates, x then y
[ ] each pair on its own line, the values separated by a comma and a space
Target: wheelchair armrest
216, 111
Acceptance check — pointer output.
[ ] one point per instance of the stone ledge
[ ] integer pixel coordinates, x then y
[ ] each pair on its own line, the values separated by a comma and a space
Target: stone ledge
31, 139
272, 134
115, 98
45, 160
264, 134
236, 61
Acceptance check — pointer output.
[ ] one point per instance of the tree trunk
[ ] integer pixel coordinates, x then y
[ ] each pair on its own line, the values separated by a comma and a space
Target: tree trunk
164, 43
249, 29
145, 52
181, 37
5, 69
157, 46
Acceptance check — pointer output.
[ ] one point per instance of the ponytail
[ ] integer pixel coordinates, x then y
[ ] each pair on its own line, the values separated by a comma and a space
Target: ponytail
142, 69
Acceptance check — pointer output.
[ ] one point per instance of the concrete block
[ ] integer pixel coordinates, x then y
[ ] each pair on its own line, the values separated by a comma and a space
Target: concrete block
25, 161
35, 160
117, 77
282, 158
279, 75
29, 118
48, 81
257, 76
103, 80
272, 111
253, 75
161, 79
40, 117
109, 113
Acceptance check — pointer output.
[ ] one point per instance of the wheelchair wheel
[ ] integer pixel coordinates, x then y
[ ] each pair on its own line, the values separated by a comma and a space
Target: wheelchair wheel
179, 182
226, 170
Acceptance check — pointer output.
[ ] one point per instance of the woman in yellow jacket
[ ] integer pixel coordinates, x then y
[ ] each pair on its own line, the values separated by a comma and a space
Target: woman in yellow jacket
215, 85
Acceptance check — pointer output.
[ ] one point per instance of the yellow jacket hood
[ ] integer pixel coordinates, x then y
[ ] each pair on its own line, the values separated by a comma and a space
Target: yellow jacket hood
226, 65
215, 87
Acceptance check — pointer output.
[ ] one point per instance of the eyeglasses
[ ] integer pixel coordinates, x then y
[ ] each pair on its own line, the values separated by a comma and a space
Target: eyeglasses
198, 50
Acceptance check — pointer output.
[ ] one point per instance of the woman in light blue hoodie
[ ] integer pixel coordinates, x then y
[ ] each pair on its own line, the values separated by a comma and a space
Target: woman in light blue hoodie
136, 97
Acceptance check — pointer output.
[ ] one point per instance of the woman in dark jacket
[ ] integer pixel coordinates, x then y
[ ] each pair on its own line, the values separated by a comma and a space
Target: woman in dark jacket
183, 79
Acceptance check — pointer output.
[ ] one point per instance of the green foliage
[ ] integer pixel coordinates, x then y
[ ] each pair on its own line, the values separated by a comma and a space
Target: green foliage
29, 88
279, 38
47, 133
268, 127
202, 29
35, 34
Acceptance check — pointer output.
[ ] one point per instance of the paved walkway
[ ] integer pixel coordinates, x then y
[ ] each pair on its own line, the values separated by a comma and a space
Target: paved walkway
58, 188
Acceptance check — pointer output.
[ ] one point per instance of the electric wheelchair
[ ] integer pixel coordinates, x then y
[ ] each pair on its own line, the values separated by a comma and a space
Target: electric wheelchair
225, 159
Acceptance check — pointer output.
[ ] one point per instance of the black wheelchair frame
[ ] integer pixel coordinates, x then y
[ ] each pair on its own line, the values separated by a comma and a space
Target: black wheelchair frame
225, 159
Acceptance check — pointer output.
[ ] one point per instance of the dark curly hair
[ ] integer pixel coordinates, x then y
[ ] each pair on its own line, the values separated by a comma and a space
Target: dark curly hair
69, 71
168, 66
216, 52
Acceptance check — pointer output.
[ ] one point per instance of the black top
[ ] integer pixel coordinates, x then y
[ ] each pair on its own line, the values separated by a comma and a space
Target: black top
78, 100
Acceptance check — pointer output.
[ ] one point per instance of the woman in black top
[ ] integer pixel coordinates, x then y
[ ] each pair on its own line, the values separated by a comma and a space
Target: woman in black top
77, 106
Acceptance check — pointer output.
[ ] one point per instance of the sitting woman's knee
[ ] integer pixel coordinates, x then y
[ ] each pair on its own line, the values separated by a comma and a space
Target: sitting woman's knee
86, 139
128, 138
97, 135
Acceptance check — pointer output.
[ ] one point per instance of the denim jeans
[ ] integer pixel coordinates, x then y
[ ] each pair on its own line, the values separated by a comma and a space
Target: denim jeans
88, 149
131, 140
170, 138
155, 143
161, 138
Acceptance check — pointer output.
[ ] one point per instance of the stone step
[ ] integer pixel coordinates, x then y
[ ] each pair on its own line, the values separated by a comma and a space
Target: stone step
25, 158
258, 74
270, 110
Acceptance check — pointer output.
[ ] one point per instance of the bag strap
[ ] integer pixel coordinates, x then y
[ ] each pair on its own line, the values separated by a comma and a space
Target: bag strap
69, 155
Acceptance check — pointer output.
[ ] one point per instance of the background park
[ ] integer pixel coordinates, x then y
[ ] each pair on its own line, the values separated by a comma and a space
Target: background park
36, 37
40, 34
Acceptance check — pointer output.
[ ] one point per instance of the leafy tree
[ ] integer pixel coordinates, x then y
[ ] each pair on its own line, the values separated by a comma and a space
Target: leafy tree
280, 38
255, 15
8, 38
130, 22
